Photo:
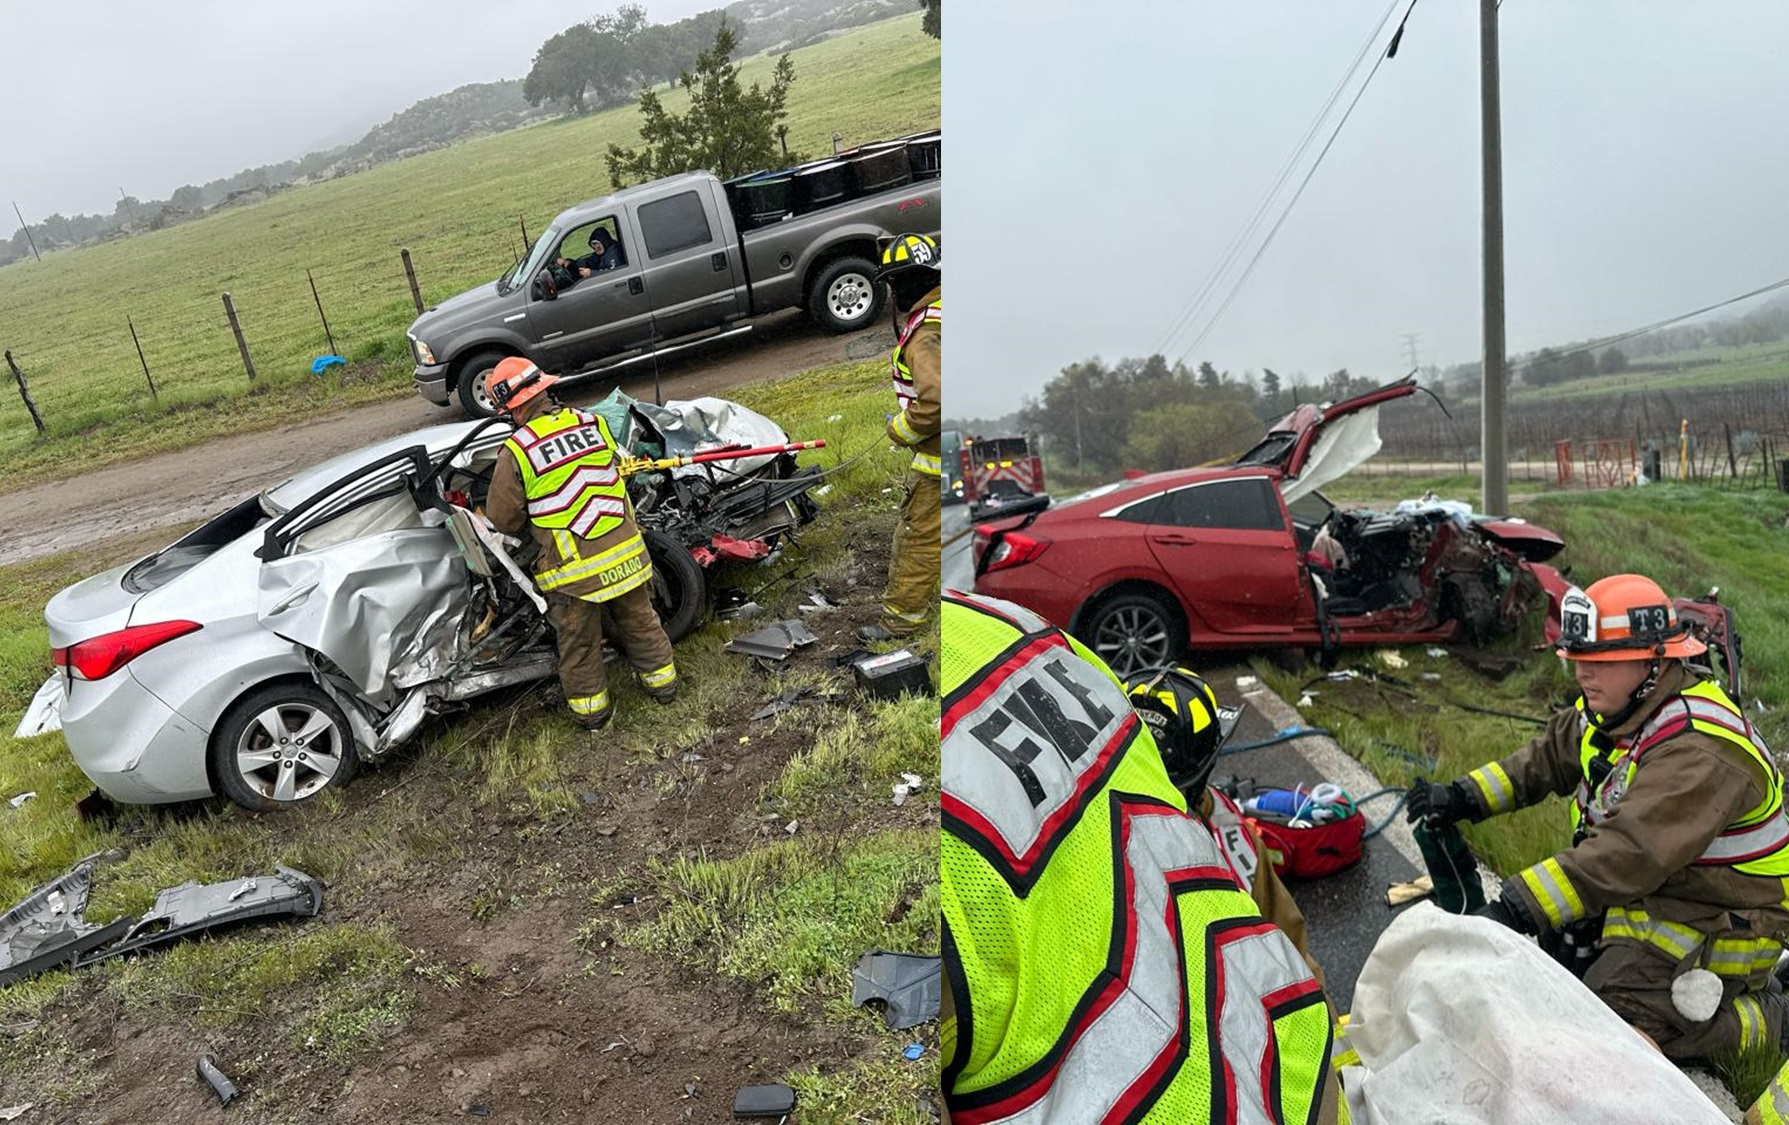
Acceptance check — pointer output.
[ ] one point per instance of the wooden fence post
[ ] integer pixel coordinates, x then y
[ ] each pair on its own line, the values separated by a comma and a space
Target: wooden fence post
25, 393
141, 360
321, 315
248, 364
410, 273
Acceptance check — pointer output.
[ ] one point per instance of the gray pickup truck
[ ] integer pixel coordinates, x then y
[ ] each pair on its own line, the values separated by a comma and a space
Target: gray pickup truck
688, 259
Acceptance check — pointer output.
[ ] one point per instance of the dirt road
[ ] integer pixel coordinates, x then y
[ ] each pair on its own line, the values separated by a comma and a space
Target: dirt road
172, 489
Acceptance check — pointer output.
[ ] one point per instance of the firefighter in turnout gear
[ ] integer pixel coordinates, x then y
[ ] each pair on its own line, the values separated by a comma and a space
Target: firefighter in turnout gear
1181, 712
910, 265
1677, 882
1100, 961
561, 484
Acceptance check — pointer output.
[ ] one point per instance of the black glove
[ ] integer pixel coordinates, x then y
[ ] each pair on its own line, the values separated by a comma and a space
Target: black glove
1504, 914
1438, 804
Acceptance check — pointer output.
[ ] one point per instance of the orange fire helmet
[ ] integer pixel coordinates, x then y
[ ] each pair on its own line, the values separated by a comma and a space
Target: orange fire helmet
1622, 617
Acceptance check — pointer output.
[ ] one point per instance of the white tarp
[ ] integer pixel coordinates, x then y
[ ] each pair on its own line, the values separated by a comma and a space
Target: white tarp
1459, 1021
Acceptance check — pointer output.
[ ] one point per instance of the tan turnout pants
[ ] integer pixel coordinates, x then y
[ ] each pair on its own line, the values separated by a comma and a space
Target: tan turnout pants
913, 568
638, 632
1636, 984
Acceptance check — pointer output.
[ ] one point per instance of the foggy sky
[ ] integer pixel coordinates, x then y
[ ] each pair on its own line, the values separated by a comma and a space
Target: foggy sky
147, 97
1117, 148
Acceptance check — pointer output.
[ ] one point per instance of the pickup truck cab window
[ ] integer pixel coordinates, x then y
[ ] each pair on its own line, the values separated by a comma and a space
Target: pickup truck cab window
674, 223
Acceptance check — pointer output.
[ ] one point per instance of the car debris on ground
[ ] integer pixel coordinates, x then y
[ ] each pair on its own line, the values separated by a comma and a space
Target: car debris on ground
909, 985
890, 675
773, 1100
220, 1082
48, 929
910, 784
773, 642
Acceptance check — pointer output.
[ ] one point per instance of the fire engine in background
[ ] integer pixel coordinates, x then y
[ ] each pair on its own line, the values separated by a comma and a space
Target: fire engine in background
1002, 476
951, 461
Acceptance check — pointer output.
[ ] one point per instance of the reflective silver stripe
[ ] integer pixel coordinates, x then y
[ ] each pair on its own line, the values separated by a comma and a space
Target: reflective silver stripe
660, 677
1023, 619
1772, 834
1553, 892
1494, 783
1773, 1104
1118, 1048
594, 510
904, 429
588, 704
563, 497
1752, 1025
928, 463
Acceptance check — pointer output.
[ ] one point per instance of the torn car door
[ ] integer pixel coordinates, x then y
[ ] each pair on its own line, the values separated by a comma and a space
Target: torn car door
367, 575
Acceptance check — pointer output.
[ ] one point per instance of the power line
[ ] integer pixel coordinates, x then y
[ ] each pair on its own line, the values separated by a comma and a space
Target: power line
1609, 341
1292, 161
1287, 212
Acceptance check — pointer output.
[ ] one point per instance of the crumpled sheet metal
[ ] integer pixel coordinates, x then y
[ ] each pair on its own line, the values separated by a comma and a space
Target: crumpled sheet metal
395, 611
44, 713
910, 985
692, 425
773, 642
48, 928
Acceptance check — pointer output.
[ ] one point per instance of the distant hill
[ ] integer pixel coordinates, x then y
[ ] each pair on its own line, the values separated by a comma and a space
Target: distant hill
470, 111
786, 24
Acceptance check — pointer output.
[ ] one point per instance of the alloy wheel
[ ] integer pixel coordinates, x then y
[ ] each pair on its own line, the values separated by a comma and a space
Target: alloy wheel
289, 752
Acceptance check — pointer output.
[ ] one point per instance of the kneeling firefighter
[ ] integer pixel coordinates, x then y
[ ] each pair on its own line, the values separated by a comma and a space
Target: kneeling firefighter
562, 484
1678, 874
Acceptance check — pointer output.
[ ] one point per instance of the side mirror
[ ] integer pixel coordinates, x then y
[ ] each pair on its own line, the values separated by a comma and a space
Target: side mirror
544, 289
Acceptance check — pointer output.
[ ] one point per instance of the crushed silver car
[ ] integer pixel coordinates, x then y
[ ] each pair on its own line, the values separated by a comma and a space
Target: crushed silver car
315, 626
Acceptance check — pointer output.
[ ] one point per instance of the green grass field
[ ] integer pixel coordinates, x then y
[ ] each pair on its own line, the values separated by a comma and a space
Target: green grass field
787, 913
458, 212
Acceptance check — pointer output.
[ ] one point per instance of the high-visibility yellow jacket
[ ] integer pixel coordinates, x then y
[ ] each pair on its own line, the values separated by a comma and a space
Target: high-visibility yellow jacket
559, 481
1101, 962
1700, 849
918, 363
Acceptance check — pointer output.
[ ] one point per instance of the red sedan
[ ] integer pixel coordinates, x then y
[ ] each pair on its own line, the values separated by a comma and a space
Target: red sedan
1251, 555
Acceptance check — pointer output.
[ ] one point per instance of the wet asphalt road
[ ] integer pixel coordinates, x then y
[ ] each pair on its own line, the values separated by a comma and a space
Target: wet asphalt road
1345, 912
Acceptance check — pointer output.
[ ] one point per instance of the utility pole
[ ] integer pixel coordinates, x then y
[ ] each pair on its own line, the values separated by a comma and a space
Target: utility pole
1411, 356
1493, 451
131, 211
26, 227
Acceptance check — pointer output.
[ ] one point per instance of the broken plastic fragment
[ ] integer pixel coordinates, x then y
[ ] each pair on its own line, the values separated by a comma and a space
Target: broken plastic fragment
773, 642
913, 1051
22, 798
225, 1088
909, 985
1391, 659
1247, 683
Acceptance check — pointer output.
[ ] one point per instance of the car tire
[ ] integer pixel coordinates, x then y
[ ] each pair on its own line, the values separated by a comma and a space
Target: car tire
259, 772
469, 383
1134, 631
844, 298
679, 588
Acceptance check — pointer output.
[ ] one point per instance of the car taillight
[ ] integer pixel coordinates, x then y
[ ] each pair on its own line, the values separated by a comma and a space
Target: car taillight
99, 657
1014, 549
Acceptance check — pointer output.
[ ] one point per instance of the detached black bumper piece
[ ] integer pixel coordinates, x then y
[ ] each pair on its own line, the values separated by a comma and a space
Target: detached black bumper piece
48, 929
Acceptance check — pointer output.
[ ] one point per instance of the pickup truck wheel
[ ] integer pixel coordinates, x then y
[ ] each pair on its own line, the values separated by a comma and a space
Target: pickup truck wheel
281, 745
471, 384
844, 298
679, 588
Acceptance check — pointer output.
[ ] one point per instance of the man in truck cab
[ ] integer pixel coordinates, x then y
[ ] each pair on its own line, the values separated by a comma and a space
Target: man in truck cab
910, 266
605, 254
559, 481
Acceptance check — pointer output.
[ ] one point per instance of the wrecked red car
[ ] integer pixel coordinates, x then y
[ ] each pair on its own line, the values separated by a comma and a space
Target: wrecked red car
1251, 555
